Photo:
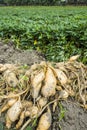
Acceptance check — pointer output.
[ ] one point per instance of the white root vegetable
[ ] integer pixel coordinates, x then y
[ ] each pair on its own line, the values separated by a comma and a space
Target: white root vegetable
54, 106
58, 88
22, 116
8, 105
28, 73
42, 102
34, 67
74, 58
27, 104
26, 112
34, 111
2, 67
43, 63
10, 78
50, 84
63, 94
14, 112
31, 111
24, 81
39, 82
5, 67
61, 76
45, 121
35, 91
36, 83
8, 122
38, 78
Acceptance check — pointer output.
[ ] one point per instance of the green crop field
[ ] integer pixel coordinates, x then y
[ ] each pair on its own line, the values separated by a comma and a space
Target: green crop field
58, 32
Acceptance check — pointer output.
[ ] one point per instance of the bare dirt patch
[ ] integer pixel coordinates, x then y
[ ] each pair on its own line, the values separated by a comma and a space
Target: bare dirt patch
8, 54
75, 117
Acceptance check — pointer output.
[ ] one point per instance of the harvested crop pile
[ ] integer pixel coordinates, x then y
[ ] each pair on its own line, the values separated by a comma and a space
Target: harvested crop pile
26, 92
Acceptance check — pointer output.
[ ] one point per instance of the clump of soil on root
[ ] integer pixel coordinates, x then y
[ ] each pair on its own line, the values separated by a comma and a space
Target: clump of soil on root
66, 115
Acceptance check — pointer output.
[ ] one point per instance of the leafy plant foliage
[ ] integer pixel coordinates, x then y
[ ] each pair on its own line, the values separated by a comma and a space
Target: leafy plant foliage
58, 32
62, 112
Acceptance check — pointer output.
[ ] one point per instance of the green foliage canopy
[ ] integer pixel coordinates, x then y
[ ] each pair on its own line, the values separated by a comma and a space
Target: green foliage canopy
58, 32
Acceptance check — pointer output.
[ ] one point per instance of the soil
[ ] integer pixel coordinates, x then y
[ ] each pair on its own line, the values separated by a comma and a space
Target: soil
8, 54
75, 117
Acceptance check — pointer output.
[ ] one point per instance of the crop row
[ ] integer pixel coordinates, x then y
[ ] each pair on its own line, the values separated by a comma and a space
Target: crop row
58, 32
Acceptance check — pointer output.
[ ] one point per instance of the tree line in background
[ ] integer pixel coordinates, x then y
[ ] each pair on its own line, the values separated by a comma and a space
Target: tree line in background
42, 2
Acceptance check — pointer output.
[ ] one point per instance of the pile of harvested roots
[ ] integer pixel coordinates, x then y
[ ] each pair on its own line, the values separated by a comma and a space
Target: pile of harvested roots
26, 91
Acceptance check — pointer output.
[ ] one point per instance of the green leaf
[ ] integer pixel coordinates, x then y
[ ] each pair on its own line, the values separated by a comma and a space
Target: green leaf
62, 112
29, 128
